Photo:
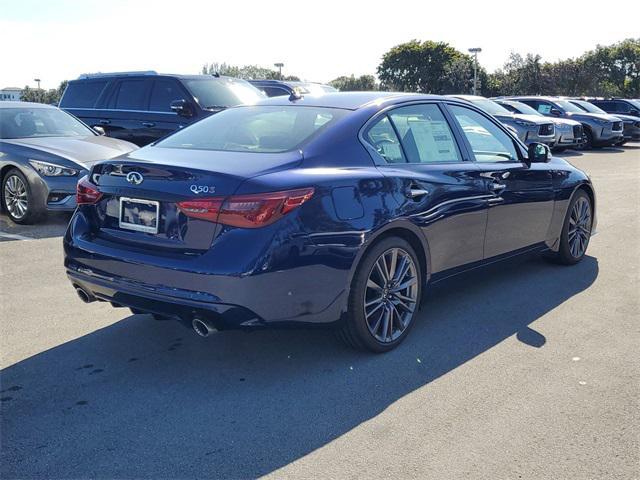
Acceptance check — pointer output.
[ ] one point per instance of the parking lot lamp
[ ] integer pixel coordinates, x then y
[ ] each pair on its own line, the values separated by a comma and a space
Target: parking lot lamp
475, 52
38, 82
279, 65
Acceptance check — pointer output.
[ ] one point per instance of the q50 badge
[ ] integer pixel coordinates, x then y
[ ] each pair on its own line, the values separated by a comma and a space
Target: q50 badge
197, 189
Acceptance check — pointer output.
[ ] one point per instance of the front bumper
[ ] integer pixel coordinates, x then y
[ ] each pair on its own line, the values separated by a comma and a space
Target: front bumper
54, 193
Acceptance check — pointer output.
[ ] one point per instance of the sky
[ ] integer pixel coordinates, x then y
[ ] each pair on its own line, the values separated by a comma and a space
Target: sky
316, 40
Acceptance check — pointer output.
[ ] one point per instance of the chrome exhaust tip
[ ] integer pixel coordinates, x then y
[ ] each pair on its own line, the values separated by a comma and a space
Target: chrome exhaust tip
202, 327
85, 296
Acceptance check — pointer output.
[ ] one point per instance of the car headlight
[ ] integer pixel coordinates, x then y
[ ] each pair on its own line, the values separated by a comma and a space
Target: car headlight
524, 123
52, 170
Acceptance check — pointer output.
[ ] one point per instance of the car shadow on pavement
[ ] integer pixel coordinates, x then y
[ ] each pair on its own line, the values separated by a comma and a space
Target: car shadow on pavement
54, 225
150, 399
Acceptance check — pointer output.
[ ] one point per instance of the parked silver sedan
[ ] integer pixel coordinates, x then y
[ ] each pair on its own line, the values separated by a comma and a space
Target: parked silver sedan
530, 128
568, 132
43, 152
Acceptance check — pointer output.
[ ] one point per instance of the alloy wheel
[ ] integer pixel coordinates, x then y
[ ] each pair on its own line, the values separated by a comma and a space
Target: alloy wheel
390, 297
16, 197
579, 227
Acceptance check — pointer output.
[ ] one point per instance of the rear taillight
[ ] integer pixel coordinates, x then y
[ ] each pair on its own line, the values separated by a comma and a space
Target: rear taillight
248, 211
86, 192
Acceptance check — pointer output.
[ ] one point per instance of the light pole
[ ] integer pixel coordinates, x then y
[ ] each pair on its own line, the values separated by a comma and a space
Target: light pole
279, 66
38, 81
475, 52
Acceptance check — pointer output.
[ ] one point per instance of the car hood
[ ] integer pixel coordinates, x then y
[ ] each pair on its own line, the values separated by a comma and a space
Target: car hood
84, 151
564, 121
592, 116
522, 116
626, 118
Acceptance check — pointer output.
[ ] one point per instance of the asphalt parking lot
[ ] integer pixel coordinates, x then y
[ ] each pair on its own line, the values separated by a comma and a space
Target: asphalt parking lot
524, 370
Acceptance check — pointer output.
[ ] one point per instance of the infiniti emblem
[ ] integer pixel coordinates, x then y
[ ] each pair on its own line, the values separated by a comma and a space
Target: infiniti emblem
135, 178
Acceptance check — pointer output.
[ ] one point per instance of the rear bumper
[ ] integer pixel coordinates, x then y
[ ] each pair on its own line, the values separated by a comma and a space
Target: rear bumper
243, 280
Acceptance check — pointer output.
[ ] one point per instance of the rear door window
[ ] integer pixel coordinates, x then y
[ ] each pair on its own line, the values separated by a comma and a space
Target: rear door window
425, 134
83, 94
163, 93
382, 137
132, 95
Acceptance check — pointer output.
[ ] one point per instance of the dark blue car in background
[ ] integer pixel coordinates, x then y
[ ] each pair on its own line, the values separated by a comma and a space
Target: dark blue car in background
337, 210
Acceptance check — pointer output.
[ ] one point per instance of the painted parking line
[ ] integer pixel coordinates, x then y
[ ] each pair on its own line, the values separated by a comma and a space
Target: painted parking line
13, 236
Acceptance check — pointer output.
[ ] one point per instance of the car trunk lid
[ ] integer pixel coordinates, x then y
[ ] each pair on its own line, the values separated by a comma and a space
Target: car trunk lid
139, 199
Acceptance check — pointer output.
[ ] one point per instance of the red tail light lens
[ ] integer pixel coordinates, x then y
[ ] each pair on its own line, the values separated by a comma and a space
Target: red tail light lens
86, 192
247, 211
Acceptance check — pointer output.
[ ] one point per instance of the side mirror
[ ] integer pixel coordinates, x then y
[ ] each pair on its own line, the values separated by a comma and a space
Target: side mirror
555, 112
99, 130
538, 153
182, 108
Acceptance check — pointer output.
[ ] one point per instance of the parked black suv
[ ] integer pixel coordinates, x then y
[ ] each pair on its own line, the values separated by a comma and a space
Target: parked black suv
618, 105
142, 107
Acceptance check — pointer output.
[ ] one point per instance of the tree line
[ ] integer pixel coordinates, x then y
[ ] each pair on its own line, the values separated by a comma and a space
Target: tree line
437, 67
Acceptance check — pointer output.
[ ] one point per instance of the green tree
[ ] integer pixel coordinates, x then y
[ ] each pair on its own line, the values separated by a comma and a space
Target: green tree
427, 67
247, 72
39, 95
354, 84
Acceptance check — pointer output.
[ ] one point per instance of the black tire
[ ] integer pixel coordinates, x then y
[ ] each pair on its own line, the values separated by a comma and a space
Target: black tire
33, 212
564, 254
354, 330
588, 139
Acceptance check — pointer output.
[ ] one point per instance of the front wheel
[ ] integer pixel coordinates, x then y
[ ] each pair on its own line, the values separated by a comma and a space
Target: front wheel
17, 199
384, 298
576, 230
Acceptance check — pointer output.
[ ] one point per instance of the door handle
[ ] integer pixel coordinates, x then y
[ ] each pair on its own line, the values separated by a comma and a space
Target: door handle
148, 124
497, 187
417, 192
105, 122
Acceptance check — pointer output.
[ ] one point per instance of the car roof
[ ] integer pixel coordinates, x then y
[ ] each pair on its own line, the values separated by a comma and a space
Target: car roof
150, 73
469, 98
349, 100
24, 105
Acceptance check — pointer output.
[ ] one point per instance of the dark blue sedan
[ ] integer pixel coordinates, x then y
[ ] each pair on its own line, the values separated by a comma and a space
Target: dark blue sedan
338, 209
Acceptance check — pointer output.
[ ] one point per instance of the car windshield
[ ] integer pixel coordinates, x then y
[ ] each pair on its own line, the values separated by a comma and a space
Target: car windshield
587, 107
261, 129
490, 106
568, 106
635, 103
525, 109
40, 122
223, 92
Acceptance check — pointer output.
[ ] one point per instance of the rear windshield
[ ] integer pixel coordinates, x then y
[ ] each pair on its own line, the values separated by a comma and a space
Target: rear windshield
39, 122
264, 129
222, 92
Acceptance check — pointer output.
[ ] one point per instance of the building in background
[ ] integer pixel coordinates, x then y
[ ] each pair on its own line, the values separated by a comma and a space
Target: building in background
10, 94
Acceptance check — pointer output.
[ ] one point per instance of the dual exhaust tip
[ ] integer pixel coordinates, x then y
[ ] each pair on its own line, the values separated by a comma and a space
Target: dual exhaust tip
201, 326
85, 296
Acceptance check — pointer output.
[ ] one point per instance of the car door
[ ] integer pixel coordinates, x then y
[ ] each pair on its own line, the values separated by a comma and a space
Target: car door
436, 185
521, 205
128, 111
161, 119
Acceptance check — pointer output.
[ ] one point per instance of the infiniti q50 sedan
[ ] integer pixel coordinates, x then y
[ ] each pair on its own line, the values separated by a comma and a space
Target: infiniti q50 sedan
338, 209
43, 152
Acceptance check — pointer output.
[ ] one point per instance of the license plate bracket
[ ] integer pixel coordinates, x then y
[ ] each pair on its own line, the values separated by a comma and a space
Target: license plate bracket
139, 215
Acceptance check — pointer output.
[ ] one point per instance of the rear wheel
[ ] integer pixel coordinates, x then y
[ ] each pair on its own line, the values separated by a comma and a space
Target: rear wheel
384, 298
576, 230
17, 200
